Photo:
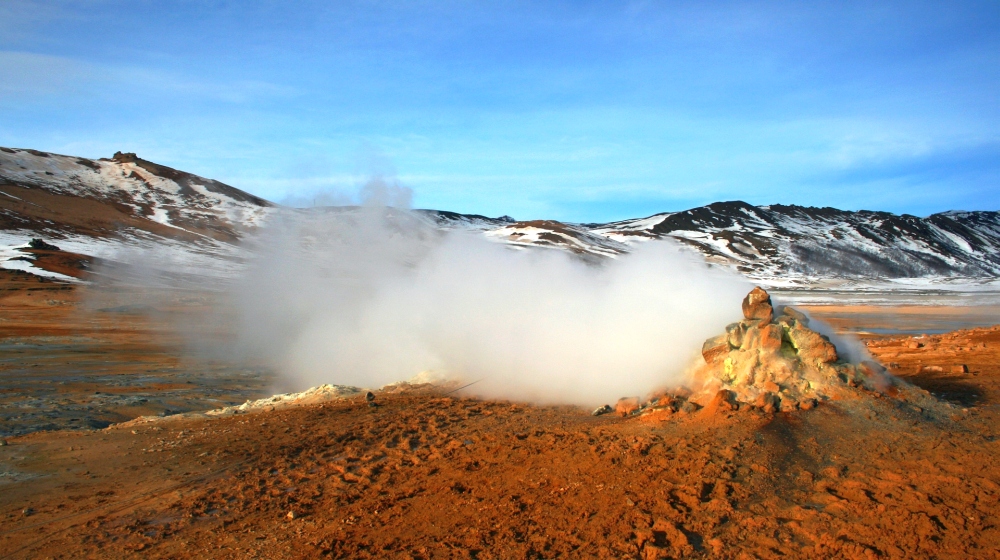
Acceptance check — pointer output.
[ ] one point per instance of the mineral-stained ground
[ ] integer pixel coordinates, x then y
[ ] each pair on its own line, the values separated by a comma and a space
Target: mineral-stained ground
432, 475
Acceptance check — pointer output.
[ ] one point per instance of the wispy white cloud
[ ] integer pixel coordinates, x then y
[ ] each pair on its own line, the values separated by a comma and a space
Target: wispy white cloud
27, 76
24, 74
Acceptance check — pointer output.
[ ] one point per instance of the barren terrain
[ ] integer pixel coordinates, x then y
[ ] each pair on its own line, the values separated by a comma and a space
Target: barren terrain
432, 475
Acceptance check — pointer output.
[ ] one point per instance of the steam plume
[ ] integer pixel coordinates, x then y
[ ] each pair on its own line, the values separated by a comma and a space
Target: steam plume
373, 295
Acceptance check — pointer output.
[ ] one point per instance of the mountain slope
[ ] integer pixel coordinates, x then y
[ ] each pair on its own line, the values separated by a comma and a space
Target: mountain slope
108, 207
43, 191
777, 240
103, 207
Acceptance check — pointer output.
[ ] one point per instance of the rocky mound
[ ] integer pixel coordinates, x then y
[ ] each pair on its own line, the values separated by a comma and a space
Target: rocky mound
774, 361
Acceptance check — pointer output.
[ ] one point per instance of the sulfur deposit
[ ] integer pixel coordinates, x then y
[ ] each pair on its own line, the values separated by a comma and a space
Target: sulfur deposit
774, 361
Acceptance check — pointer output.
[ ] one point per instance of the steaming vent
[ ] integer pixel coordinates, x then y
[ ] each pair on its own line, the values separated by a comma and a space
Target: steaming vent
774, 361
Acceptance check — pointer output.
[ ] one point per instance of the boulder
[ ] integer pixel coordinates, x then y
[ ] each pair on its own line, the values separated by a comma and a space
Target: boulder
757, 306
762, 336
605, 409
125, 157
811, 346
715, 349
687, 407
770, 337
736, 332
797, 315
724, 401
41, 244
626, 406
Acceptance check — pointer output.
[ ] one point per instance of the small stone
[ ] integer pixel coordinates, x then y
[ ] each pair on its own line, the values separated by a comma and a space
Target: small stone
770, 386
292, 515
724, 400
3, 442
768, 402
788, 404
606, 409
27, 511
808, 404
960, 368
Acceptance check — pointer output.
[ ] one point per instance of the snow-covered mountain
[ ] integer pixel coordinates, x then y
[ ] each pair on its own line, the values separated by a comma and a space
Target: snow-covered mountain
106, 207
778, 240
103, 196
101, 207
788, 246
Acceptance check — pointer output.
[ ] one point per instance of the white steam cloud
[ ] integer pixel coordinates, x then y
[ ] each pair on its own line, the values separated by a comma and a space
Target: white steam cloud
373, 295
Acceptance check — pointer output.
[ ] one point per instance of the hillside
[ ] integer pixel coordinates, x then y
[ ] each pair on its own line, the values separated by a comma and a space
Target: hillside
105, 206
110, 208
778, 240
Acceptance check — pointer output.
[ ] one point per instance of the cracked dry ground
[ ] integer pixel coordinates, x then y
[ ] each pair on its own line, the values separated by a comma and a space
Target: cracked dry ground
431, 476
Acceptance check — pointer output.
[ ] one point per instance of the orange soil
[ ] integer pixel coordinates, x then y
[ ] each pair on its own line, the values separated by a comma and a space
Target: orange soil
426, 475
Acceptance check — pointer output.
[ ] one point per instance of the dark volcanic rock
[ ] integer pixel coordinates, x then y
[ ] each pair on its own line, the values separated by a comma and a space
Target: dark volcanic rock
42, 245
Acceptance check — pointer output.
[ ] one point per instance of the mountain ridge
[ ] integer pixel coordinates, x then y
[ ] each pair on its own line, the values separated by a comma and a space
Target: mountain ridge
86, 202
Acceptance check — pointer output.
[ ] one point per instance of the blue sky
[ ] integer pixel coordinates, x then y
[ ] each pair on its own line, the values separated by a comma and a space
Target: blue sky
579, 111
